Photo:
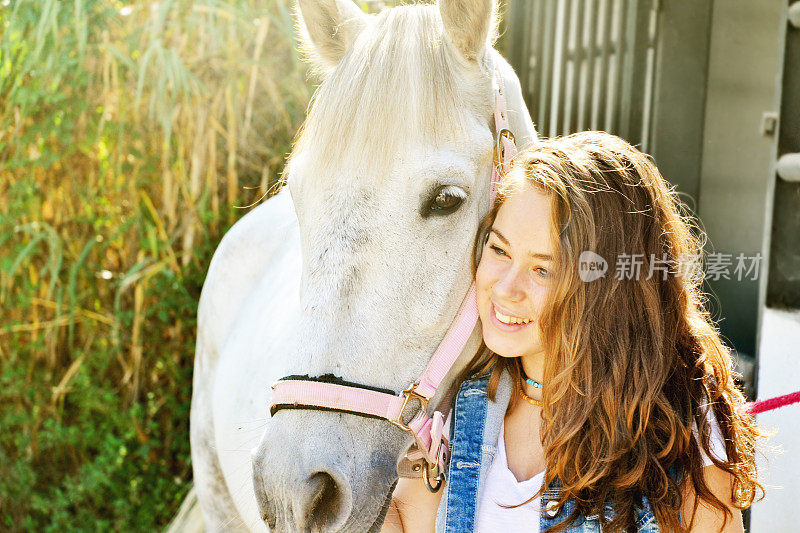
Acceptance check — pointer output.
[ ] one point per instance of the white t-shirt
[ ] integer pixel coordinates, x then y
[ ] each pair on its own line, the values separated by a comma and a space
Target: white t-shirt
502, 488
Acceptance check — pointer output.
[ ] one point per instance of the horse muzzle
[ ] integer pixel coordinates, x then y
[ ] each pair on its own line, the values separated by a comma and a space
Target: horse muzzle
309, 475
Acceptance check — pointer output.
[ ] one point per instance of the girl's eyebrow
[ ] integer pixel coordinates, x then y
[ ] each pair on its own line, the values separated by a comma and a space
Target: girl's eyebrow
534, 255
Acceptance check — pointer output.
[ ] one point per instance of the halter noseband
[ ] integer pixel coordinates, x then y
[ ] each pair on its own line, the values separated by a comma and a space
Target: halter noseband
331, 393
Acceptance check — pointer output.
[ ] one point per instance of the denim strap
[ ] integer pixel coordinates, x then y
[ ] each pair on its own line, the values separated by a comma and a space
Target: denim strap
462, 487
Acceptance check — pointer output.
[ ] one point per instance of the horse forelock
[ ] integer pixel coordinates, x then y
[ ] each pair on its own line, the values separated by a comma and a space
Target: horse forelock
400, 84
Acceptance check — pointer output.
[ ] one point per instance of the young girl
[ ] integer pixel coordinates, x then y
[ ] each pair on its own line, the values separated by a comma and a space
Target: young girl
604, 396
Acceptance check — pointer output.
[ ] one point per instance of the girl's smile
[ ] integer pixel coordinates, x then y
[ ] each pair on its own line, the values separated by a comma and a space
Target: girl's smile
507, 322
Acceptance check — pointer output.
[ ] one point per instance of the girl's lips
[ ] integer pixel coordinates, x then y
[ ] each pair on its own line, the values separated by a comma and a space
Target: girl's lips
505, 327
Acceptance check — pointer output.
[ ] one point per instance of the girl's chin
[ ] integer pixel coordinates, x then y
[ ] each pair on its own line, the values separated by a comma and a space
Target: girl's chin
502, 347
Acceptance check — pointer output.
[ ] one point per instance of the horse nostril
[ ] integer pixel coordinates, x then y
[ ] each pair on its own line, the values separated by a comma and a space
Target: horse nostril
266, 505
321, 502
270, 519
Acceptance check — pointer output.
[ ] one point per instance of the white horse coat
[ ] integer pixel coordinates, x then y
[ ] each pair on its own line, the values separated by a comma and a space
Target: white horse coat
351, 269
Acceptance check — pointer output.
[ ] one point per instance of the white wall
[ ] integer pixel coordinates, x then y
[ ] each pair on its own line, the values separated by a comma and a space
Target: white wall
779, 373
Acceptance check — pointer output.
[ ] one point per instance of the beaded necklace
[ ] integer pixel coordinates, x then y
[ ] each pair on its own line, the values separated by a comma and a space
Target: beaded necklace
530, 381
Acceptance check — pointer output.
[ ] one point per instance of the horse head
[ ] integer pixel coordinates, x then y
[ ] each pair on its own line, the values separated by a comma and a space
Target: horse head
389, 177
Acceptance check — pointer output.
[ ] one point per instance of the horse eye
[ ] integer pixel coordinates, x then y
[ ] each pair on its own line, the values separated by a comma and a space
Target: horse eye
445, 201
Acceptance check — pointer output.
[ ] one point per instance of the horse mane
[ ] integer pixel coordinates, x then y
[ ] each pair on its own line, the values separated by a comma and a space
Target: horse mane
400, 83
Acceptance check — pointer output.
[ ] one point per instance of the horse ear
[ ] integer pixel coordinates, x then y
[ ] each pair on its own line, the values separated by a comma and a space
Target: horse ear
326, 29
469, 24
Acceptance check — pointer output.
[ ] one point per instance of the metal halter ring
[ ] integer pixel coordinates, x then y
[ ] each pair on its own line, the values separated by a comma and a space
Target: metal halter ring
426, 476
408, 394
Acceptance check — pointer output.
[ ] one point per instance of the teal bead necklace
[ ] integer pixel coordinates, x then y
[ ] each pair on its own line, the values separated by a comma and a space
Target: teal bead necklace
530, 381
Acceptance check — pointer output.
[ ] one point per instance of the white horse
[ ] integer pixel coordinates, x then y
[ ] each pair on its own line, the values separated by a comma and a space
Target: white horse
356, 268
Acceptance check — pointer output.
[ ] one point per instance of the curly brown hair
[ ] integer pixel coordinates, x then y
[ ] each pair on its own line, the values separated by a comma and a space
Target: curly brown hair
630, 364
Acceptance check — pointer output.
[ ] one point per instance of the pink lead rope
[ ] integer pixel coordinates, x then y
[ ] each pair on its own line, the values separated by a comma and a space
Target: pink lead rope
332, 393
753, 408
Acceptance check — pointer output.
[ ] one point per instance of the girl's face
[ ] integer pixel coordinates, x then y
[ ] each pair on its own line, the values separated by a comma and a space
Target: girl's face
515, 272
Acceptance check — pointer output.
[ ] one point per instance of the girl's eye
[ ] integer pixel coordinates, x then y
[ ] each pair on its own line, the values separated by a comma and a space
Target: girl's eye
543, 272
498, 251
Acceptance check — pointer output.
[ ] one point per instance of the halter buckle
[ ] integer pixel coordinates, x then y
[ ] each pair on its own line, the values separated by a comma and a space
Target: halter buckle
408, 394
499, 151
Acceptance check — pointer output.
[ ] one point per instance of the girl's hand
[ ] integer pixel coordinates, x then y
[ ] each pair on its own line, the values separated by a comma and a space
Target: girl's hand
413, 508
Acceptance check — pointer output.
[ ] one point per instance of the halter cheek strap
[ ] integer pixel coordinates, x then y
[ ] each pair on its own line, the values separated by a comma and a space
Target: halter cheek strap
429, 452
333, 394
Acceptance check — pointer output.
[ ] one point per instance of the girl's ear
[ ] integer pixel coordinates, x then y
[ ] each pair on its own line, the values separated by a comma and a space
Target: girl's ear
470, 25
326, 29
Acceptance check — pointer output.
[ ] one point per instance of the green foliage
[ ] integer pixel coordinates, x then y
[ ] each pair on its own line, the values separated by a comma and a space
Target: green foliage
129, 134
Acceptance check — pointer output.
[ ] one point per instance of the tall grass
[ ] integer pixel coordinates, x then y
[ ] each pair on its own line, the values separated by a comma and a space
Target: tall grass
129, 133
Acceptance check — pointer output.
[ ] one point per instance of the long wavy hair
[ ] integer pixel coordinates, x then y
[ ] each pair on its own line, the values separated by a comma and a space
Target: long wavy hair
632, 359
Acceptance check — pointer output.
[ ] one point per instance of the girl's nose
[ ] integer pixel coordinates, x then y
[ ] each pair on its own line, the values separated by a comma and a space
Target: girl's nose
510, 285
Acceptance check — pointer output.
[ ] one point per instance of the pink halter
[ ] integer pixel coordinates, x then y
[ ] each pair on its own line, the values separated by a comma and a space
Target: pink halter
332, 393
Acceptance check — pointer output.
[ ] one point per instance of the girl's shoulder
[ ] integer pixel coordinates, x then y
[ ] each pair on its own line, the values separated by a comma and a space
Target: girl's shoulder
477, 379
472, 385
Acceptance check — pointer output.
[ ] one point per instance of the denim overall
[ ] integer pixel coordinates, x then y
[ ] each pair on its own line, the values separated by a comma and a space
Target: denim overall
474, 431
